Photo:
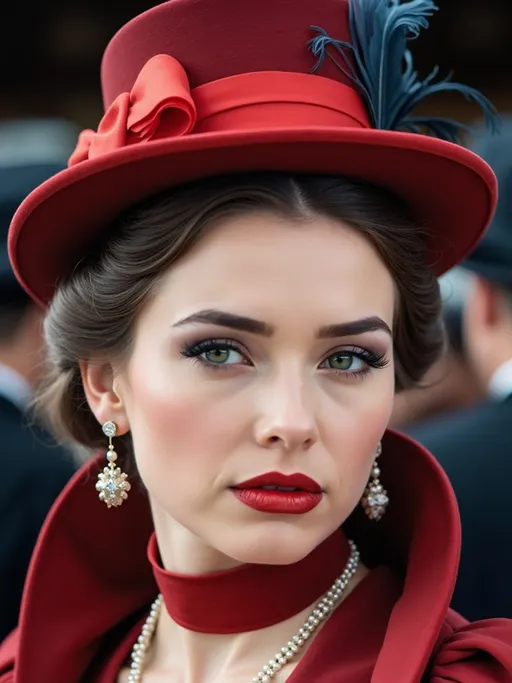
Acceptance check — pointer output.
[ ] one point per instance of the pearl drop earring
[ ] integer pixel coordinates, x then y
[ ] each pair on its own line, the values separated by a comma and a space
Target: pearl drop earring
112, 483
375, 498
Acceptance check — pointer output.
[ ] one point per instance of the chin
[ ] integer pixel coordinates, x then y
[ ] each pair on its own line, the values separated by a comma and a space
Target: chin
274, 543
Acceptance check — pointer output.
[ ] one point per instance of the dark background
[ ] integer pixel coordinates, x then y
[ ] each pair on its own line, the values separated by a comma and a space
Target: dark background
50, 54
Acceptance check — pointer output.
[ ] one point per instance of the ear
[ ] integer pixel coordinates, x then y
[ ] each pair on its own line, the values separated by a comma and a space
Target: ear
104, 395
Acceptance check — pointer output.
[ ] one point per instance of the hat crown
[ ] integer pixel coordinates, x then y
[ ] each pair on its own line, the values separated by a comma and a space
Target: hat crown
200, 88
214, 39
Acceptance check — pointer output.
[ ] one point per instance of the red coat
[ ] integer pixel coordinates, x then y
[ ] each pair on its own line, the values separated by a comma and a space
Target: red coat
90, 584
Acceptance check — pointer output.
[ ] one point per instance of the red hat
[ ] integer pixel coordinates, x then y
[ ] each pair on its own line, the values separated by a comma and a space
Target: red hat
195, 88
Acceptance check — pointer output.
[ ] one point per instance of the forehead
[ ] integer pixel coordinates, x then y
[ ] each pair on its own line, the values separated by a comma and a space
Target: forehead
261, 263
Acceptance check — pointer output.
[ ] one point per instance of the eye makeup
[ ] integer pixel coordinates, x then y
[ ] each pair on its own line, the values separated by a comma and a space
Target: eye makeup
225, 354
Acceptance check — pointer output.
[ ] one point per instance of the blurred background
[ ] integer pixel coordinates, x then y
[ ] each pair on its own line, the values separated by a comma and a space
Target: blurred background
52, 50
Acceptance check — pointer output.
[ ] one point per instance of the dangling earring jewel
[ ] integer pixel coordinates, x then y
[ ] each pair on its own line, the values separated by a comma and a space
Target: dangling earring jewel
375, 498
112, 485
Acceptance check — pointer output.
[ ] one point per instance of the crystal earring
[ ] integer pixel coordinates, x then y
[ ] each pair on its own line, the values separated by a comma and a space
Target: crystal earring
375, 498
112, 485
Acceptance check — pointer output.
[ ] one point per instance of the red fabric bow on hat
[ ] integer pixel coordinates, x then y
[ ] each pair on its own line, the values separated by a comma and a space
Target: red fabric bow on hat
159, 100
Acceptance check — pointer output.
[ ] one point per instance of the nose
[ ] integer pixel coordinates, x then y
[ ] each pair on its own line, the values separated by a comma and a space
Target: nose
286, 421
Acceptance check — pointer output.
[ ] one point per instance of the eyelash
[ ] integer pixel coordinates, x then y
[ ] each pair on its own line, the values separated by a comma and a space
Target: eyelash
195, 350
371, 361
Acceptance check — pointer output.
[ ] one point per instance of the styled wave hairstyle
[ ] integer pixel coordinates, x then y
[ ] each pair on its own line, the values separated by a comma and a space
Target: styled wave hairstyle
93, 314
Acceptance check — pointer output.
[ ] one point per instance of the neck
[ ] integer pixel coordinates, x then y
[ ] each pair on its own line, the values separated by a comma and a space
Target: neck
224, 626
231, 601
200, 657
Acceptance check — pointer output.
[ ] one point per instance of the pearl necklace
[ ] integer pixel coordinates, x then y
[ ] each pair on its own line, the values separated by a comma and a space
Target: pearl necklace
323, 609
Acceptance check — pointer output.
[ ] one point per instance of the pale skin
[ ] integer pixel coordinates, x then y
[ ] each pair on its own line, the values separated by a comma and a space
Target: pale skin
299, 393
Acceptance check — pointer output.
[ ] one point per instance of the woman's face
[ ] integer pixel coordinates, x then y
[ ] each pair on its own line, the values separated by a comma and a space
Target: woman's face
267, 349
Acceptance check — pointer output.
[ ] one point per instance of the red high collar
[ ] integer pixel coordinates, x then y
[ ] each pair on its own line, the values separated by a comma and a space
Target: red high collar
97, 559
251, 596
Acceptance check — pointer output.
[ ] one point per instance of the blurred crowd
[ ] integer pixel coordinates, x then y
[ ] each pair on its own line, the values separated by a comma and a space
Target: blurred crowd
461, 413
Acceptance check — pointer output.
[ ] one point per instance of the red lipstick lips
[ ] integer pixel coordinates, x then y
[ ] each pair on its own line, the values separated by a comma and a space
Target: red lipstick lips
277, 493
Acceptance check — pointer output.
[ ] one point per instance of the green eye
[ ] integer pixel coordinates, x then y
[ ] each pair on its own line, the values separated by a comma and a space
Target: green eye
219, 356
222, 356
215, 353
345, 362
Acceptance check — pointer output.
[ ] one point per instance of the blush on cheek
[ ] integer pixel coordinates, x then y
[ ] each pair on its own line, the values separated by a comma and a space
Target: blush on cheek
356, 438
355, 453
377, 422
175, 423
171, 421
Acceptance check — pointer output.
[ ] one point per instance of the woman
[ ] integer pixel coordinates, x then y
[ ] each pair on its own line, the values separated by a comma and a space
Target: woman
237, 283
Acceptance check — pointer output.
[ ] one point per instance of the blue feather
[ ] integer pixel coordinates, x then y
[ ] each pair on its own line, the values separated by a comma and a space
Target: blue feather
446, 129
381, 67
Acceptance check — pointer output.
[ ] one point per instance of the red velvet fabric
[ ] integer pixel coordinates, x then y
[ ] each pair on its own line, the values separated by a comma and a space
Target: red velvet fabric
231, 601
344, 650
90, 585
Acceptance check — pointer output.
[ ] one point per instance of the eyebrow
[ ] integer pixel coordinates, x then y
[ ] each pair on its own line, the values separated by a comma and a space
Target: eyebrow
354, 327
258, 327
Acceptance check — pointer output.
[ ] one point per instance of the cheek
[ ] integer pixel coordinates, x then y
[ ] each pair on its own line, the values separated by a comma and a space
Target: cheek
178, 428
354, 431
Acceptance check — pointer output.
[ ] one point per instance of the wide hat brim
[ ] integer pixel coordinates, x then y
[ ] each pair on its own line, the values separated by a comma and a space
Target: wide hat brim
451, 192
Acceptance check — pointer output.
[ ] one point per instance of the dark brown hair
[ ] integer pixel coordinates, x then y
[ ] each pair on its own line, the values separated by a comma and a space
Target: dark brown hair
93, 313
